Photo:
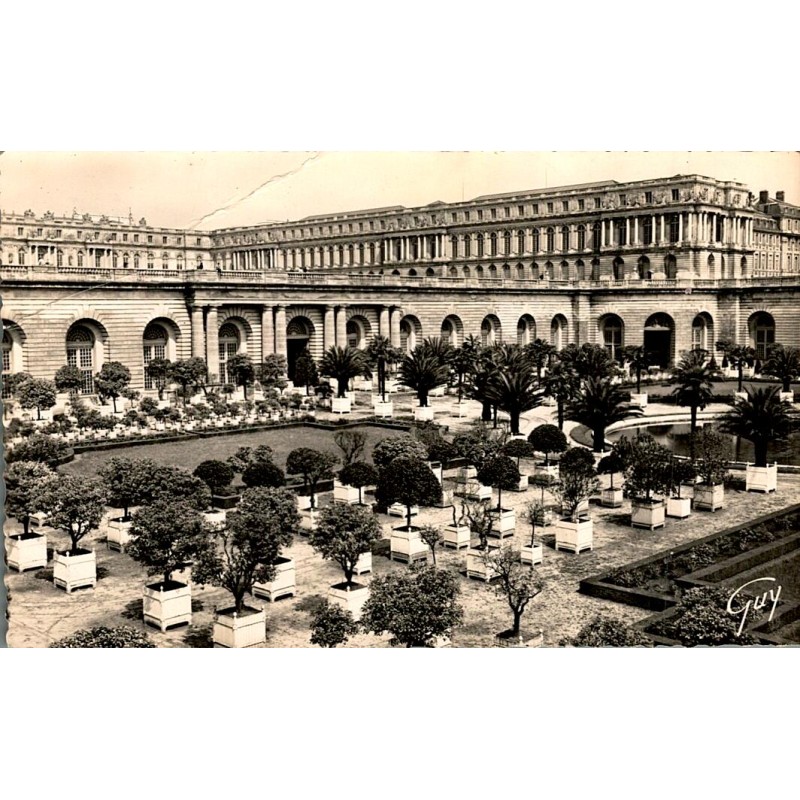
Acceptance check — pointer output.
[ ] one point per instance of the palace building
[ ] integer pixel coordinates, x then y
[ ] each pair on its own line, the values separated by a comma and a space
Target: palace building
673, 263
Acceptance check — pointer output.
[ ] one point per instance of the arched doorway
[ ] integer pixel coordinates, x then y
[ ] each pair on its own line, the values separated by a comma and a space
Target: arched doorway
703, 332
491, 332
154, 346
452, 330
659, 339
762, 333
298, 334
643, 268
612, 333
558, 332
229, 343
526, 330
81, 353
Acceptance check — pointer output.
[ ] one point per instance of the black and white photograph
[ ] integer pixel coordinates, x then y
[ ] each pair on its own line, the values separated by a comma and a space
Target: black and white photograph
401, 399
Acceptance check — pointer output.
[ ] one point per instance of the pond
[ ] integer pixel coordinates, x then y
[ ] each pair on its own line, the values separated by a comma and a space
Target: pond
676, 438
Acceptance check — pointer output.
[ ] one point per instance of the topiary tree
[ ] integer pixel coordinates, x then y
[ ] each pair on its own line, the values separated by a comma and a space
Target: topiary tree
103, 636
432, 536
271, 373
343, 533
190, 374
414, 606
352, 444
74, 503
165, 536
500, 473
241, 369
313, 465
438, 448
577, 481
648, 469
604, 631
409, 481
128, 482
245, 550
112, 379
159, 370
305, 371
359, 474
68, 379
392, 447
713, 451
245, 456
36, 393
548, 439
217, 475
332, 625
480, 444
176, 483
23, 481
263, 473
519, 448
516, 584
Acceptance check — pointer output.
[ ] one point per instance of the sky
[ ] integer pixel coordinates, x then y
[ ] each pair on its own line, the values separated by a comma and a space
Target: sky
208, 190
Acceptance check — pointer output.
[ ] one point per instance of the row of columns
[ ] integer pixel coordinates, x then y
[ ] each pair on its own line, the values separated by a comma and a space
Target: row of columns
205, 330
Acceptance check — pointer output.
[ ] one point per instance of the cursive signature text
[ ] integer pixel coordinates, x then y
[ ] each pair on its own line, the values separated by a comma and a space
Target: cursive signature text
757, 603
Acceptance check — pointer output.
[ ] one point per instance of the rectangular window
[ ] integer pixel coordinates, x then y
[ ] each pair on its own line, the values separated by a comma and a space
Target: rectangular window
20, 231
113, 237
135, 237
565, 205
535, 208
163, 240
198, 242
466, 215
581, 205
520, 211
597, 202
38, 231
454, 217
58, 233
480, 213
124, 237
676, 195
6, 361
494, 213
623, 199
549, 208
648, 197
149, 238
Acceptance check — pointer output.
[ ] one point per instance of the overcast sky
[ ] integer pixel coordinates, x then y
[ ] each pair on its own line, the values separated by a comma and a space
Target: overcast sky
214, 190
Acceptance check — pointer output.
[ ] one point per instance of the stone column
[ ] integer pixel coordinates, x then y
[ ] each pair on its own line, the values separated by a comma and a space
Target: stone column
198, 333
635, 231
628, 231
212, 343
680, 227
280, 330
329, 328
661, 237
383, 322
396, 314
341, 326
267, 332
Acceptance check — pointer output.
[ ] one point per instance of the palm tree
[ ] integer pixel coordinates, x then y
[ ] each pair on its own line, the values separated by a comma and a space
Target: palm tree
422, 371
439, 348
638, 360
783, 363
514, 388
589, 361
561, 383
762, 417
381, 352
344, 364
482, 371
463, 361
599, 404
540, 354
692, 380
739, 356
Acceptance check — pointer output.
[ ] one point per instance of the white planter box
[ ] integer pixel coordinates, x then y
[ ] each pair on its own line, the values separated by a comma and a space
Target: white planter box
38, 520
282, 585
474, 490
363, 384
406, 546
399, 510
762, 479
343, 493
384, 409
423, 413
26, 552
740, 395
647, 515
461, 410
679, 507
551, 470
467, 473
308, 519
391, 385
709, 498
477, 567
436, 468
439, 391
340, 405
787, 396
364, 564
505, 523
523, 483
611, 498
216, 519
247, 630
164, 609
119, 534
639, 399
75, 571
456, 536
303, 502
532, 555
350, 598
574, 536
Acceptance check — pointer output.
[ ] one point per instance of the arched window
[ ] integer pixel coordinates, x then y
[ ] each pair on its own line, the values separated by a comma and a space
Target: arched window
154, 345
98, 259
580, 270
80, 258
595, 269
619, 269
493, 244
480, 245
350, 260
520, 242
454, 245
361, 254
507, 243
60, 258
536, 240
564, 271
762, 327
228, 347
6, 351
670, 266
487, 333
467, 246
647, 230
581, 237
341, 255
612, 329
551, 240
150, 262
136, 261
597, 235
674, 227
80, 354
565, 238
643, 267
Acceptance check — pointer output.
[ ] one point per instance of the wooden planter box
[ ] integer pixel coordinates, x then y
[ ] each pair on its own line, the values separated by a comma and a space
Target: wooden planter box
399, 510
467, 473
474, 490
740, 395
505, 639
505, 523
384, 409
611, 498
786, 396
343, 493
282, 585
362, 384
341, 405
762, 479
477, 567
456, 536
225, 500
574, 536
423, 413
523, 483
639, 399
406, 546
679, 507
118, 534
75, 571
308, 520
167, 607
351, 598
246, 630
551, 470
647, 514
436, 468
709, 498
216, 519
26, 551
532, 554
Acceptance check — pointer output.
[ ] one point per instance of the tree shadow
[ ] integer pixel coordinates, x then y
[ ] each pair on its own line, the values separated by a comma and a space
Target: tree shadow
134, 609
199, 637
310, 604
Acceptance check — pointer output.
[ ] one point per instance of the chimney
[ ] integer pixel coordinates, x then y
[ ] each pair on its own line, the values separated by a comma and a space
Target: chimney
780, 197
763, 196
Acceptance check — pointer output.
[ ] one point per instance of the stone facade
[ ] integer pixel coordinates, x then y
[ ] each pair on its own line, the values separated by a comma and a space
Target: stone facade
668, 262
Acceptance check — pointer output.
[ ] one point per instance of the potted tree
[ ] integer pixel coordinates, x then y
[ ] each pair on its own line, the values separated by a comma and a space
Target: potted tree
548, 439
128, 482
422, 371
36, 393
693, 388
577, 482
381, 353
647, 474
314, 466
159, 370
598, 405
343, 364
762, 418
738, 356
408, 482
344, 533
513, 387
111, 381
76, 505
501, 473
517, 585
638, 360
243, 553
611, 465
241, 367
164, 537
331, 625
417, 607
712, 468
458, 534
481, 523
534, 515
218, 476
681, 471
25, 550
783, 363
520, 448
352, 480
